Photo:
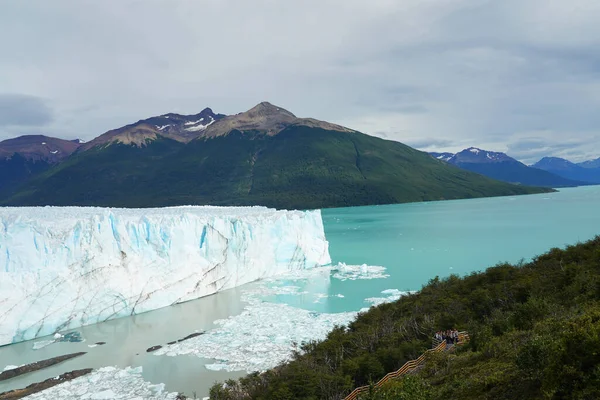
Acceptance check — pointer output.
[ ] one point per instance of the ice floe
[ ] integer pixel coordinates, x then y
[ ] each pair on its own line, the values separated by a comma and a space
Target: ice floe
107, 383
353, 272
263, 336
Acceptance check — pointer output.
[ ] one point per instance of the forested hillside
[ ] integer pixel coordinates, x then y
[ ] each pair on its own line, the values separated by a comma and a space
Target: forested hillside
535, 334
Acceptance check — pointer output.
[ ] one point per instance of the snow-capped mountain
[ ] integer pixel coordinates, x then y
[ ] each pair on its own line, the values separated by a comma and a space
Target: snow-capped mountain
500, 166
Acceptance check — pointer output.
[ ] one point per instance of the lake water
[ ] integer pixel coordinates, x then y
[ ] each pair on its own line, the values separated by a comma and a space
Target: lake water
415, 242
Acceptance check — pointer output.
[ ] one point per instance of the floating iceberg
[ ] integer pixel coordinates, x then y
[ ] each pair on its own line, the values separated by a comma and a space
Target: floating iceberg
65, 267
359, 272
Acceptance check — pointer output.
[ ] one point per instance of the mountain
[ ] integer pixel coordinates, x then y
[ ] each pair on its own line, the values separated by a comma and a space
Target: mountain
265, 156
26, 156
569, 170
590, 164
267, 119
181, 128
499, 166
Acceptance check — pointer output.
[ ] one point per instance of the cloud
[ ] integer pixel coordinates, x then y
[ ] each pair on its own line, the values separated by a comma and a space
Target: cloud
459, 72
23, 110
426, 144
534, 146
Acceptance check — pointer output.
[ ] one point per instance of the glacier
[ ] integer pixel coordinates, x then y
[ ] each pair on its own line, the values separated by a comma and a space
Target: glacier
66, 267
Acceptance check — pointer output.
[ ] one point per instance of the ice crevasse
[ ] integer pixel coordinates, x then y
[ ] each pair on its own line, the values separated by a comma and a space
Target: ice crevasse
65, 267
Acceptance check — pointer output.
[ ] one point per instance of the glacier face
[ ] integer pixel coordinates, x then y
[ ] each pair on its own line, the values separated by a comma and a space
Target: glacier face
65, 267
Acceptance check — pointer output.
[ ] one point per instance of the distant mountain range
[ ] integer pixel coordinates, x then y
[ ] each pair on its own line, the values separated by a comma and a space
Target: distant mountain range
504, 168
264, 156
588, 171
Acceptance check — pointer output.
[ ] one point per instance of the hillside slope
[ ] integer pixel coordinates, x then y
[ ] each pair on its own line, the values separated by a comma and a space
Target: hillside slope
26, 156
301, 167
534, 328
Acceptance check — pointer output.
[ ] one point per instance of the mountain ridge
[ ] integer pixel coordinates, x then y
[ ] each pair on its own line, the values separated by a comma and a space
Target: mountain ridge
268, 119
569, 170
182, 128
498, 165
264, 156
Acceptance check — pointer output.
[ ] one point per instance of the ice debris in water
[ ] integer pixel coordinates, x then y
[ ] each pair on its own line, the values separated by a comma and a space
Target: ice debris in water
42, 343
107, 383
263, 336
353, 272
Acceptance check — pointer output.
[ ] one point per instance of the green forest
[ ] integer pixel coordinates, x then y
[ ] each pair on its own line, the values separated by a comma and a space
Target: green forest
534, 328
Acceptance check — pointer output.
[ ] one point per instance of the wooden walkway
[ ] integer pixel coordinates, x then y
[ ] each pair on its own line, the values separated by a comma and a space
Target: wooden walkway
408, 367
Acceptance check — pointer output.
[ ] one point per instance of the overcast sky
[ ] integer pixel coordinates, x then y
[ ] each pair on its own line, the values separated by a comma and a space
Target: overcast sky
521, 76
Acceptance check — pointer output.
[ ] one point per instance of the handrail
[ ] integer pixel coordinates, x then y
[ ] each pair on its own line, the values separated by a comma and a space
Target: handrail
407, 367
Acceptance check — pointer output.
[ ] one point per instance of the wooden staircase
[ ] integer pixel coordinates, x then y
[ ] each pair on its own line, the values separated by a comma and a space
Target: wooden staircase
408, 367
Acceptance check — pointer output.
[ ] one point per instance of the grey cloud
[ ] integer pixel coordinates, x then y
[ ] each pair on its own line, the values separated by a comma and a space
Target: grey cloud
479, 73
430, 143
530, 150
535, 144
23, 110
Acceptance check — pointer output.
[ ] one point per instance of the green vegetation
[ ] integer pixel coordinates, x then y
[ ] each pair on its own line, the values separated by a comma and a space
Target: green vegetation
535, 334
16, 170
300, 167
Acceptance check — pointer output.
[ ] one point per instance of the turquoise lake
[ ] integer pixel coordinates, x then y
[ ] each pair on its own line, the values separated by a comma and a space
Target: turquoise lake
414, 242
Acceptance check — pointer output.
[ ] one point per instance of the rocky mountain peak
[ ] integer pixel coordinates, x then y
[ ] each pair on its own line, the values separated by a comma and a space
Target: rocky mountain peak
268, 119
477, 155
265, 108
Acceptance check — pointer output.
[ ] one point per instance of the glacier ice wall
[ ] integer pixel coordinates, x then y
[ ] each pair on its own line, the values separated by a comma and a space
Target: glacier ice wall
65, 267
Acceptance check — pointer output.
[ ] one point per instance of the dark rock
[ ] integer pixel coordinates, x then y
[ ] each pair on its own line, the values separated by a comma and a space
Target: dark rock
48, 383
36, 366
191, 336
153, 348
100, 343
172, 342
